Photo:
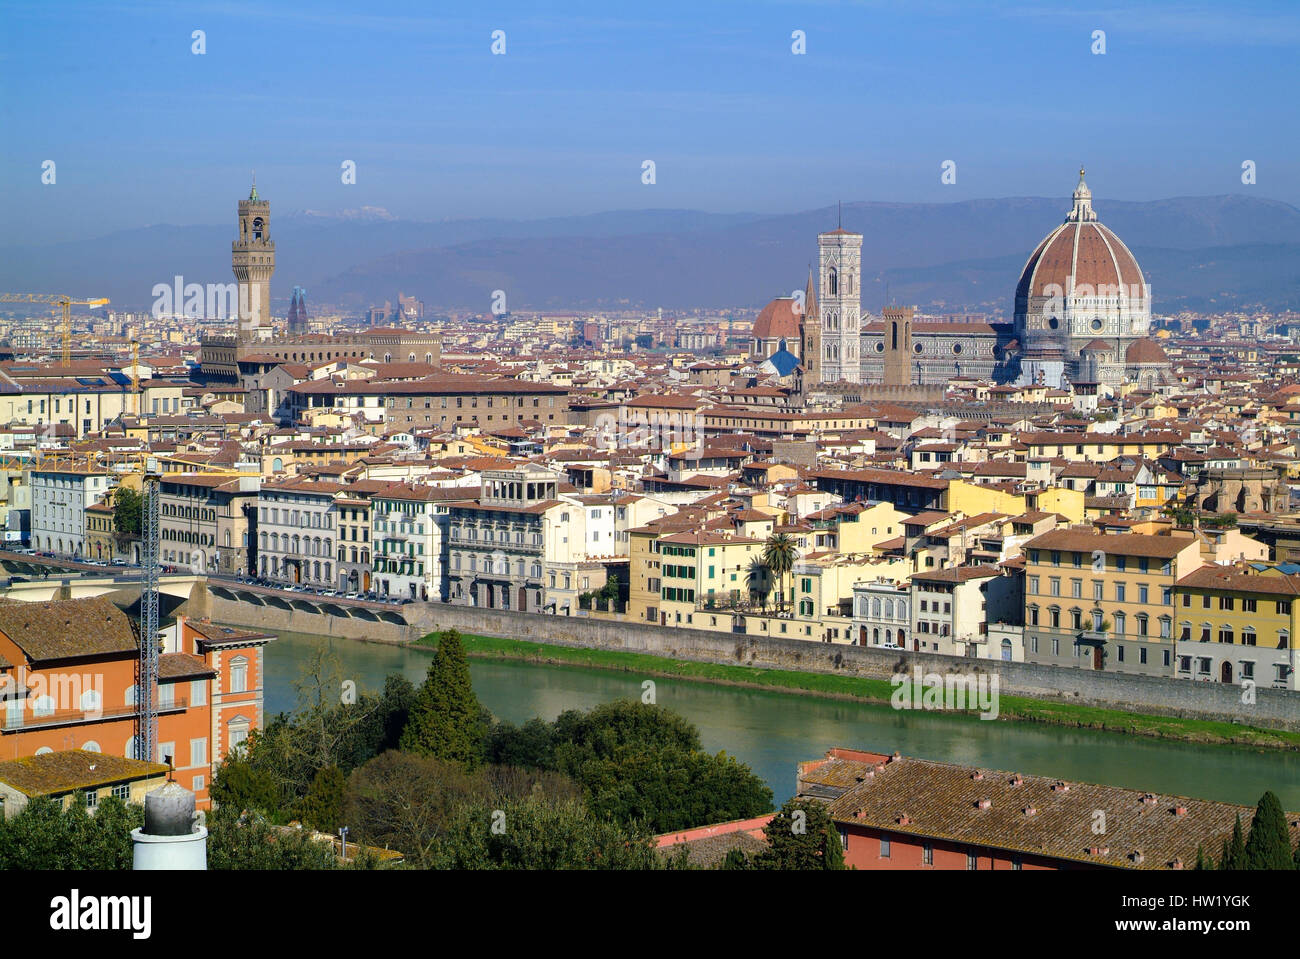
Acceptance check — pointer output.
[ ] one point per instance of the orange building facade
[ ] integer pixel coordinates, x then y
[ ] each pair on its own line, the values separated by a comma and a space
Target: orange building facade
68, 681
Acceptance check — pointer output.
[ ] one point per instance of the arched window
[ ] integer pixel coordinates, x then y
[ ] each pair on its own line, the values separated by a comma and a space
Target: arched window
44, 706
91, 746
91, 701
833, 282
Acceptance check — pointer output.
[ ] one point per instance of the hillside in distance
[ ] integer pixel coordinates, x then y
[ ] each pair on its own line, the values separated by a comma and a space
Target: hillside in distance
1203, 253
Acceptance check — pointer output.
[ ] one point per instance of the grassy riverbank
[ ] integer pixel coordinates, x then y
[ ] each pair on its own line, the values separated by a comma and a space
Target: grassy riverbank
877, 691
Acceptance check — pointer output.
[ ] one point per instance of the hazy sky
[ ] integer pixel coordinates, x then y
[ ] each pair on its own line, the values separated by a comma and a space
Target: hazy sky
143, 131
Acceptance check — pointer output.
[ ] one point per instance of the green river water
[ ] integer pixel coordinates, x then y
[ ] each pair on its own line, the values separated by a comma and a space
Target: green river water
772, 731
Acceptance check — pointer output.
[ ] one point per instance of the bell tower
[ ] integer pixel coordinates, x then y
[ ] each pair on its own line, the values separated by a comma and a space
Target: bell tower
840, 268
252, 257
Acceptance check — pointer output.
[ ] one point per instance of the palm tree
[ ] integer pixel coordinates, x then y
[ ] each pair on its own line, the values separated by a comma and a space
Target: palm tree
778, 556
758, 581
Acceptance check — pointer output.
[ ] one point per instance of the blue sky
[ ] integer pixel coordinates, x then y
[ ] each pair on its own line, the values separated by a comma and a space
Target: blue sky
143, 131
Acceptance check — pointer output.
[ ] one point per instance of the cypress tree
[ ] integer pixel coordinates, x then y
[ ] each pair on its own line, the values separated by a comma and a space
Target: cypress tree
1234, 854
446, 720
322, 807
807, 841
1269, 845
1200, 858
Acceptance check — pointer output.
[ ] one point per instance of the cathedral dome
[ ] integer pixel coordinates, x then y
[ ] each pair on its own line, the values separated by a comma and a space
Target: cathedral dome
1080, 253
1145, 351
779, 320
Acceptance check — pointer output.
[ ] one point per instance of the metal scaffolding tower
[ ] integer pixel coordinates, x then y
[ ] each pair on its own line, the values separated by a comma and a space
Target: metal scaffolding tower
147, 670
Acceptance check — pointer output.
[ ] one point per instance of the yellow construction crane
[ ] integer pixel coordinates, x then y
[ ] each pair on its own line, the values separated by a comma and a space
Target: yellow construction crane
57, 299
135, 378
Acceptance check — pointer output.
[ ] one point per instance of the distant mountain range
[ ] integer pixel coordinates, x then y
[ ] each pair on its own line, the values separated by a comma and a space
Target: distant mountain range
1202, 253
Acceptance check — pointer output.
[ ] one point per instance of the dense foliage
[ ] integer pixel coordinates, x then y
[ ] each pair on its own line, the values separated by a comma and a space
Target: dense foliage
45, 835
128, 508
636, 763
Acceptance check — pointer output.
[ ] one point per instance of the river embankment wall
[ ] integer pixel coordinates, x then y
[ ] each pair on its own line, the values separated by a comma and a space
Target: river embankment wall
1274, 708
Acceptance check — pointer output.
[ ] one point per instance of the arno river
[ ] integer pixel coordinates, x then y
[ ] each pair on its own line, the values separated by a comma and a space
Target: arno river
771, 732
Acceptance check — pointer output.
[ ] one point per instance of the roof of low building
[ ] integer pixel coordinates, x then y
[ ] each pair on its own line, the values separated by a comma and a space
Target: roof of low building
67, 629
51, 774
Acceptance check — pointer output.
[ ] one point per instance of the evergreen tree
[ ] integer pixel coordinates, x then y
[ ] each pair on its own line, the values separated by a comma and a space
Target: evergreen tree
1269, 845
810, 841
1234, 853
1201, 862
241, 785
735, 860
322, 807
446, 718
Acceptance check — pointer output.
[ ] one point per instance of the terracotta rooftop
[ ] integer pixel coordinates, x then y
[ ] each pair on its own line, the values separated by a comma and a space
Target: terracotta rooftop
1031, 815
67, 629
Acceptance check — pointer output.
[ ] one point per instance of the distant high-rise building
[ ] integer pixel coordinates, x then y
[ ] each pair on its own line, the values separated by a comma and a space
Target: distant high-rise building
252, 257
408, 308
297, 312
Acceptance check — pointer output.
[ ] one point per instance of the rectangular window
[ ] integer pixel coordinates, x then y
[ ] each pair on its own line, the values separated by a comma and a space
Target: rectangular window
200, 783
122, 791
92, 798
927, 855
199, 751
970, 861
884, 848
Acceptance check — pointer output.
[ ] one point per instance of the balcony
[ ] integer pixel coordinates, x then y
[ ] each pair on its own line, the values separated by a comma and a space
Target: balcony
16, 723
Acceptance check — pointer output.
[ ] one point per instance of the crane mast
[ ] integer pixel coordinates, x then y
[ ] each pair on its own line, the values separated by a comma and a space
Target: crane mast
147, 670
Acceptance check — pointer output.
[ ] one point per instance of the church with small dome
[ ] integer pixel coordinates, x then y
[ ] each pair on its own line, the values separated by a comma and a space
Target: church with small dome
1081, 317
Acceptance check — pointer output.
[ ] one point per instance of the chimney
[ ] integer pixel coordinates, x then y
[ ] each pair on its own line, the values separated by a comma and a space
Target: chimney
1180, 811
1029, 811
1017, 780
983, 803
1060, 787
904, 820
977, 775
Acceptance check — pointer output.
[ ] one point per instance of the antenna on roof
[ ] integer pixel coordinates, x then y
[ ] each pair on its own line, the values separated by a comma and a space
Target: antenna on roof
839, 214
